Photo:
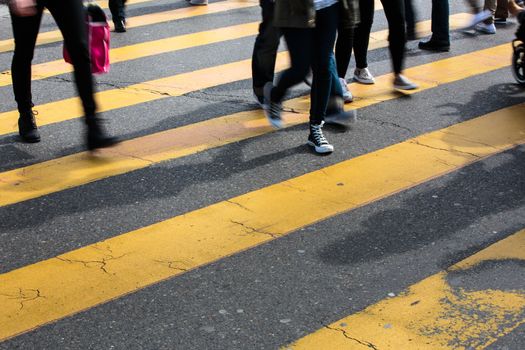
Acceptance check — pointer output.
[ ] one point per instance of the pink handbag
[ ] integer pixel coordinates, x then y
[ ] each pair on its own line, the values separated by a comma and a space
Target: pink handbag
98, 40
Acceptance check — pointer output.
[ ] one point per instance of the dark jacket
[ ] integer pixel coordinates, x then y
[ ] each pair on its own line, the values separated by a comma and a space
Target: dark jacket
301, 13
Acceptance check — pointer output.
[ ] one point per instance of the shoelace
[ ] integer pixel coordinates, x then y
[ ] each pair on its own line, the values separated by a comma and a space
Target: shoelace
318, 134
274, 109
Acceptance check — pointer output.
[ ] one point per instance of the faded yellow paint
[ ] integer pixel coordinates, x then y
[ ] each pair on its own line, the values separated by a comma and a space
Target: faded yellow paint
432, 314
48, 69
144, 20
49, 290
78, 169
458, 67
104, 3
151, 48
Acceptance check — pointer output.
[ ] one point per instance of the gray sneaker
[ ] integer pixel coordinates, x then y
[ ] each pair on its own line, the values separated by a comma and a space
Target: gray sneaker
402, 83
272, 109
363, 76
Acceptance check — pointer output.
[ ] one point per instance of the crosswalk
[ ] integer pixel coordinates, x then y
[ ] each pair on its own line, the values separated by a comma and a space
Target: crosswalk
55, 286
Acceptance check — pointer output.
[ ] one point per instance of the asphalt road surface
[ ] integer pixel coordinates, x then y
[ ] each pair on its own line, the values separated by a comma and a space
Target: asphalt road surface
208, 229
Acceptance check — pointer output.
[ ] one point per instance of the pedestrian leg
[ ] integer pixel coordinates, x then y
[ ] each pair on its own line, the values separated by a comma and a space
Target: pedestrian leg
25, 32
70, 18
264, 51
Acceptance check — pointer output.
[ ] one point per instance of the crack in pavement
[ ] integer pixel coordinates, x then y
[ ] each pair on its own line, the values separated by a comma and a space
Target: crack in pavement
365, 343
415, 142
293, 187
253, 229
469, 140
239, 205
170, 264
101, 263
382, 123
23, 297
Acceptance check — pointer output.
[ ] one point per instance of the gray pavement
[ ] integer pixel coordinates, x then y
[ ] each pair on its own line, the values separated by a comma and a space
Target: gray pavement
271, 295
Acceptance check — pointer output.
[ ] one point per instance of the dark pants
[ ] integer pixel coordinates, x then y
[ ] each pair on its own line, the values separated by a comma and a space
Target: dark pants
395, 15
71, 20
440, 25
265, 49
356, 39
410, 17
117, 8
311, 47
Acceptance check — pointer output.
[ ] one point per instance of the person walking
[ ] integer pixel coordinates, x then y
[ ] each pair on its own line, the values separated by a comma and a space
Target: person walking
265, 50
71, 19
440, 38
309, 29
395, 14
263, 66
118, 14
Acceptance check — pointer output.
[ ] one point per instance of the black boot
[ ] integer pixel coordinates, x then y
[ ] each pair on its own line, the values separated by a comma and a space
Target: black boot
434, 45
120, 26
27, 127
97, 137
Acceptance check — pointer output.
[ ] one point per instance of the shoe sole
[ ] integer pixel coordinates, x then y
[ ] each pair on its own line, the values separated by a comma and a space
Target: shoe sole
30, 140
405, 88
443, 49
319, 149
366, 82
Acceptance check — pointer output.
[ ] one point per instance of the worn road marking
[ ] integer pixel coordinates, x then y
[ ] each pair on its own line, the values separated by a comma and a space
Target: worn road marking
436, 313
49, 290
78, 169
144, 20
131, 52
176, 85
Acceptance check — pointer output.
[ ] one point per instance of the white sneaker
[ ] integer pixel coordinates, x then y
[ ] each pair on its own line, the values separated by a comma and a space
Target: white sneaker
363, 76
402, 83
347, 95
486, 28
478, 18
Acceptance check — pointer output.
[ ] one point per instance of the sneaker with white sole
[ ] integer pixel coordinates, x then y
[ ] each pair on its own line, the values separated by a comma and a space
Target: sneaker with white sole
317, 140
402, 83
486, 28
363, 76
478, 18
272, 109
347, 95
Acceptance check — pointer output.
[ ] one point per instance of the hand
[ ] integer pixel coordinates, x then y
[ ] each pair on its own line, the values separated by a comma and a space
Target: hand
23, 8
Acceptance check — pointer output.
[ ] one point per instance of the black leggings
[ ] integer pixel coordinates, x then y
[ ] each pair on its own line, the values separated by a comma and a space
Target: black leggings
358, 38
70, 18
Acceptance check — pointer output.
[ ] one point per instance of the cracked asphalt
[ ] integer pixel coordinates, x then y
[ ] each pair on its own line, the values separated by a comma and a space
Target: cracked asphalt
271, 295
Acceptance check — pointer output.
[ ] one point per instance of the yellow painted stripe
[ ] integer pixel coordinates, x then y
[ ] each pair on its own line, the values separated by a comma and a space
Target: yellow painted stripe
104, 3
144, 20
432, 314
49, 290
78, 169
153, 90
151, 48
